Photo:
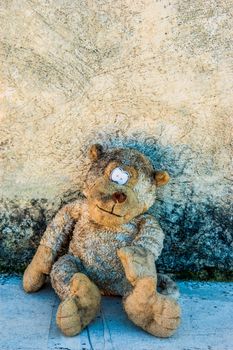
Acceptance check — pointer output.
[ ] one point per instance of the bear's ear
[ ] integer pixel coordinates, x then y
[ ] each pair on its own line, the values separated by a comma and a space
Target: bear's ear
96, 152
161, 178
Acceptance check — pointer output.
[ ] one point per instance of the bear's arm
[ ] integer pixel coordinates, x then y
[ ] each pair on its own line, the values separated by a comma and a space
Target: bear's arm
56, 234
138, 259
58, 231
150, 235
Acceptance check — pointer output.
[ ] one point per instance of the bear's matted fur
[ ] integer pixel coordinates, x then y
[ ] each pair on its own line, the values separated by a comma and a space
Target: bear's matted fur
113, 247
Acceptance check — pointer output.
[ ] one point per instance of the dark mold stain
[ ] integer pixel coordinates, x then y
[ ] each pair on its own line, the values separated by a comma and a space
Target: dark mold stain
198, 228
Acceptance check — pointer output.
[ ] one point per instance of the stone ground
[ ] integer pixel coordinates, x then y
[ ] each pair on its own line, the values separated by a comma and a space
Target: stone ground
28, 321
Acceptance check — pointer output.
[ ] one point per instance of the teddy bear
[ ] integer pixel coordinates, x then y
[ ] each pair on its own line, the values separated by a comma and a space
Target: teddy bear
113, 245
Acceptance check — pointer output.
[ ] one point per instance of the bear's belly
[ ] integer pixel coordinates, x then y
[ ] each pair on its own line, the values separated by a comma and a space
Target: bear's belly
97, 250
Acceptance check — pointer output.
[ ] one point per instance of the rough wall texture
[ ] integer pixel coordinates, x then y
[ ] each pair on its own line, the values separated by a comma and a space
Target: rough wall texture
154, 75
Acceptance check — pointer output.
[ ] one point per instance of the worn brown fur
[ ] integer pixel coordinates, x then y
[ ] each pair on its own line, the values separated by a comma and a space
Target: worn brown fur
113, 248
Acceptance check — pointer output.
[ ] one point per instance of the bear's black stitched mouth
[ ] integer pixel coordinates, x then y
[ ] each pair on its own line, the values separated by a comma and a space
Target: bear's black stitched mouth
109, 212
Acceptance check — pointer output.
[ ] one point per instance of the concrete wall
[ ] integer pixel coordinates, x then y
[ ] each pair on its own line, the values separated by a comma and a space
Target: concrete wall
154, 75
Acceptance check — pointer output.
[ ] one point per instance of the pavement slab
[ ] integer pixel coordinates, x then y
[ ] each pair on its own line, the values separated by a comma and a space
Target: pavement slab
27, 321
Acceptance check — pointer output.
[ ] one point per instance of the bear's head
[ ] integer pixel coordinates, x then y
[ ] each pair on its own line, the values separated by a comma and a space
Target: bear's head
120, 185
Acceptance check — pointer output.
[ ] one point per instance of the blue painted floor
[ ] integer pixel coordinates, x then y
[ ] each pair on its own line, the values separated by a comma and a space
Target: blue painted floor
27, 321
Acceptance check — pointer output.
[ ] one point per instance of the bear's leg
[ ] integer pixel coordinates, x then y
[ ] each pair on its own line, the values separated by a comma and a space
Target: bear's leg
80, 297
155, 313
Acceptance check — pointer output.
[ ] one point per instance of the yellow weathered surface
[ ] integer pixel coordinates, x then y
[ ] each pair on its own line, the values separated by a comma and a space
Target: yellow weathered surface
72, 71
152, 74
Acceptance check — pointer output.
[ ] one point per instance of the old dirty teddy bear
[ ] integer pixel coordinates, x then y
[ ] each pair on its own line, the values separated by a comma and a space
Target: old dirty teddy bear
113, 246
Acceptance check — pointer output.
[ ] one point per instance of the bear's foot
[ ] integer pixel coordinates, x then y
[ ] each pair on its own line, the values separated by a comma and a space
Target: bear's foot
68, 317
80, 308
155, 313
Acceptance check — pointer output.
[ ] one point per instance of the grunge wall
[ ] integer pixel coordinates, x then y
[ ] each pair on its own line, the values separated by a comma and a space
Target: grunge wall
153, 75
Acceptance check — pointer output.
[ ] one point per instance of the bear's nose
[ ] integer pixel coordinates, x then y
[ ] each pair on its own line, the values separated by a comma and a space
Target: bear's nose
119, 197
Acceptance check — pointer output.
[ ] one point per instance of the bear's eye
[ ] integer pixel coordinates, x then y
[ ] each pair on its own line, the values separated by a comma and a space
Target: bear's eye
119, 176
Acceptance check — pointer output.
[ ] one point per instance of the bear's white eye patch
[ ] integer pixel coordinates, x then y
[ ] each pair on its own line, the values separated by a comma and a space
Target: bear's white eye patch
119, 176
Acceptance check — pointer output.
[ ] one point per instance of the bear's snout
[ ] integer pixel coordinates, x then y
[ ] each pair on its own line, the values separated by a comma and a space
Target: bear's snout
119, 197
